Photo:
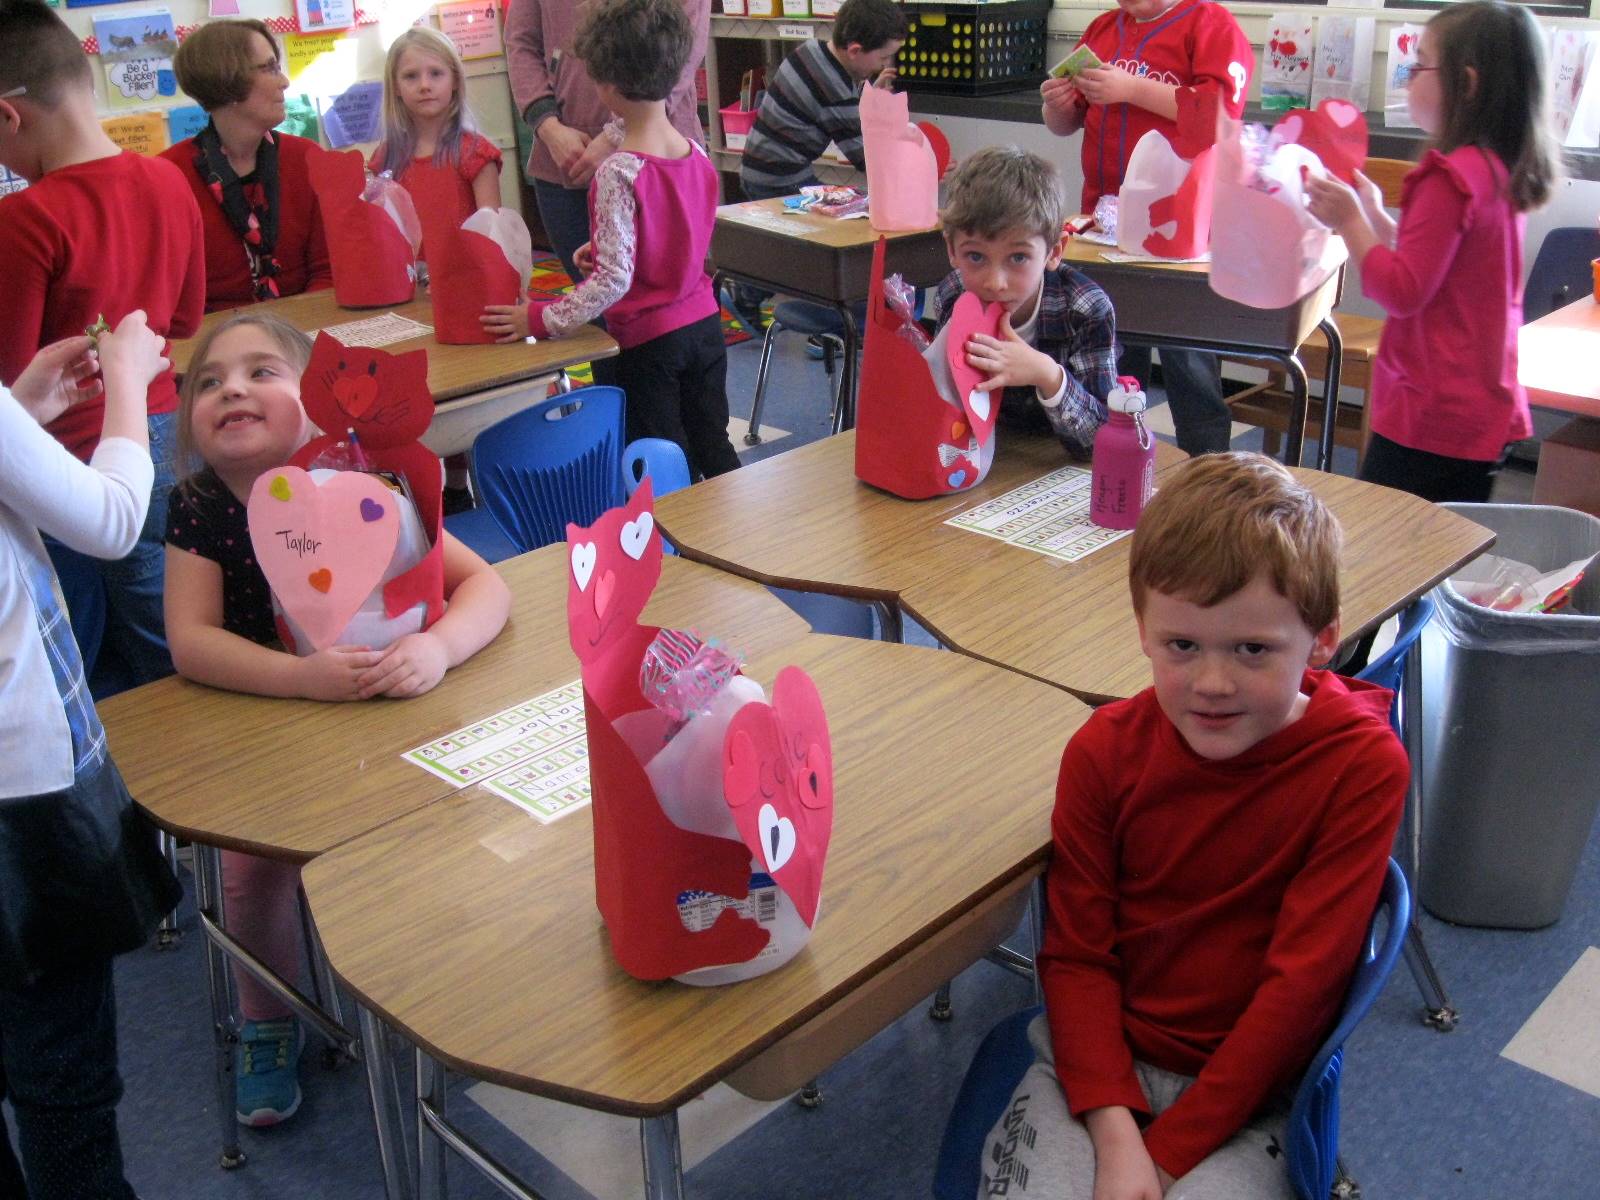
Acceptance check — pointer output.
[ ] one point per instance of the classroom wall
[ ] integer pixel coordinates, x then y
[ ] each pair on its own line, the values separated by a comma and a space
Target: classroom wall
357, 54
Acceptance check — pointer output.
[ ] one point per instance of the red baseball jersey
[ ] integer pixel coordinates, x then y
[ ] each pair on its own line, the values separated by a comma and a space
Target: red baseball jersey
1196, 45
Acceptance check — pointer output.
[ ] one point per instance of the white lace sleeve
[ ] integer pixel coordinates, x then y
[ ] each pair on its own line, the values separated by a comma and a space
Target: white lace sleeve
613, 241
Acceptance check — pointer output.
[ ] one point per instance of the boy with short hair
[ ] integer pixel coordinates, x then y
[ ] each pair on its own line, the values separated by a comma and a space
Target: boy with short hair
1162, 59
1220, 842
99, 232
1056, 358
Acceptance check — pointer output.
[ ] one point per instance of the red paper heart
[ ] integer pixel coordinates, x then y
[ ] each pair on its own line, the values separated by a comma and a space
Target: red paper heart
356, 394
969, 316
1335, 131
939, 144
777, 775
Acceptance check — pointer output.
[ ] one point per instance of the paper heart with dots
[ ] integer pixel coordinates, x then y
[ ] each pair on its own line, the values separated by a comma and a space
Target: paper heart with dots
911, 440
678, 889
323, 547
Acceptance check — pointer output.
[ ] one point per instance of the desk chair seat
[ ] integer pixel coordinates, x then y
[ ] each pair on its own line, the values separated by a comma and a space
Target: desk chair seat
814, 320
662, 463
1311, 1152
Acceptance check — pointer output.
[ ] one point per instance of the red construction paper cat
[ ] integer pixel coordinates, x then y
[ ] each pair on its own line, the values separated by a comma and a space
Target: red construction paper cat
385, 398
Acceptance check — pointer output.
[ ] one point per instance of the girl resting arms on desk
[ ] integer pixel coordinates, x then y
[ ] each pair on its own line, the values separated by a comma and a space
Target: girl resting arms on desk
240, 415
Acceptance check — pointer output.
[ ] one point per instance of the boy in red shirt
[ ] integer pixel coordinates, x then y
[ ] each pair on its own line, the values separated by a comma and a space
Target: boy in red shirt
99, 232
1162, 58
1220, 840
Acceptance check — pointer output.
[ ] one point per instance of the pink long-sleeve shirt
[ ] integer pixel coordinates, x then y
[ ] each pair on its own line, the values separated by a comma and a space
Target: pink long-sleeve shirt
1445, 379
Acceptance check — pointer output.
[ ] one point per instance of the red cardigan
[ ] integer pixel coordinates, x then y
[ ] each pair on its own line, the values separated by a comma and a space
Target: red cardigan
98, 238
302, 249
1204, 916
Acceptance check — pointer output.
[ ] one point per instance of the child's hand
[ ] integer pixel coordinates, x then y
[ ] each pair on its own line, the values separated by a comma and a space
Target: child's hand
59, 376
1124, 1170
507, 322
132, 352
411, 666
1106, 85
1063, 96
1371, 196
1008, 361
1332, 202
583, 258
335, 673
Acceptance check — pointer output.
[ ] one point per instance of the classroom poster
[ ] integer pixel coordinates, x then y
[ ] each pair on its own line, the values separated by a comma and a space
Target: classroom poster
10, 183
354, 115
329, 56
474, 27
143, 133
1343, 63
185, 121
224, 8
301, 118
324, 14
136, 51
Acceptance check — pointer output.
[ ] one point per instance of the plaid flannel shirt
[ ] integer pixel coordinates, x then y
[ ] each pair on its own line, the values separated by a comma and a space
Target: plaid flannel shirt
1077, 328
61, 648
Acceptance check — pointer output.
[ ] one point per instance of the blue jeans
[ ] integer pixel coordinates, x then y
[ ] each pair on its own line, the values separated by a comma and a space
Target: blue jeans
1193, 380
116, 606
564, 213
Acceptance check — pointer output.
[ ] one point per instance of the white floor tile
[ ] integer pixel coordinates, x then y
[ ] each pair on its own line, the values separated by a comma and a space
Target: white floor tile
1562, 1037
738, 427
1160, 421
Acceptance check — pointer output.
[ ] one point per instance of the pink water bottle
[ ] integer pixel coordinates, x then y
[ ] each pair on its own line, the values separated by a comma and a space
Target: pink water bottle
1124, 460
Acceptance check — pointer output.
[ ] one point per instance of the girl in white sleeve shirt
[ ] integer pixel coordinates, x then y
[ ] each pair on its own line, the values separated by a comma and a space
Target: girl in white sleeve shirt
80, 876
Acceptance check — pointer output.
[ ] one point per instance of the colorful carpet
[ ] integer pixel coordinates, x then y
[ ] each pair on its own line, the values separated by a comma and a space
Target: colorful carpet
551, 279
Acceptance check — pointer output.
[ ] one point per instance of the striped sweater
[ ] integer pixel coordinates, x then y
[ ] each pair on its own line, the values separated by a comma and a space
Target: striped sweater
810, 101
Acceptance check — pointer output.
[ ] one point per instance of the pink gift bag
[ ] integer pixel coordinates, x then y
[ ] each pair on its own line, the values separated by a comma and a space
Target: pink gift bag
902, 169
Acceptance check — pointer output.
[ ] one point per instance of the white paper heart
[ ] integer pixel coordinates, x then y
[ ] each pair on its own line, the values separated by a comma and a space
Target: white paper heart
583, 557
635, 535
777, 837
980, 403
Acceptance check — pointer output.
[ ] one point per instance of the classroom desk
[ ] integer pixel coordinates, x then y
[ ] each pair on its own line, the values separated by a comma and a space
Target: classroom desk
473, 929
290, 779
1172, 304
473, 386
821, 259
804, 521
1558, 361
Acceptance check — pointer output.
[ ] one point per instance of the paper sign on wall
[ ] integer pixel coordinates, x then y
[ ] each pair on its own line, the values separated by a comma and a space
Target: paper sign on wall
333, 54
324, 14
185, 121
354, 115
1403, 43
136, 50
10, 183
1286, 63
1575, 86
474, 27
300, 117
1343, 65
143, 133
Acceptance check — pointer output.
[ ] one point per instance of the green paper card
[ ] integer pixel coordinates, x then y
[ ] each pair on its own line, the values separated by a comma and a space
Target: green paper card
1081, 59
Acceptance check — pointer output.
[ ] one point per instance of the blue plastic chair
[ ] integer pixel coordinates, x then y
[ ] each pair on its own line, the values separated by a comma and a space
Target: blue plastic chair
1388, 669
1311, 1151
1560, 273
539, 469
657, 459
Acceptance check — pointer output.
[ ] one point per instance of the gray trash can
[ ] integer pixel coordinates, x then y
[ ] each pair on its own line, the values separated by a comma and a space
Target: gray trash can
1511, 745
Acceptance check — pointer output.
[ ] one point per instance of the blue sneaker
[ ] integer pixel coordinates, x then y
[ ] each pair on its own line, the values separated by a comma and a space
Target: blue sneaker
266, 1083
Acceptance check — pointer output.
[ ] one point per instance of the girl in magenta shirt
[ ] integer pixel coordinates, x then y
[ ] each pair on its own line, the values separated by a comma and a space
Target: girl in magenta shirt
1445, 397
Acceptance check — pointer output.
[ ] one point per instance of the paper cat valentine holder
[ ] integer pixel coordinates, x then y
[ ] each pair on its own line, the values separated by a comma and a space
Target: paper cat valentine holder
351, 559
373, 258
1164, 207
910, 440
486, 261
902, 164
712, 814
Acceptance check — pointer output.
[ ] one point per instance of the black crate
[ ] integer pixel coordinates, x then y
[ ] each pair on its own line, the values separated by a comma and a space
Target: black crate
974, 49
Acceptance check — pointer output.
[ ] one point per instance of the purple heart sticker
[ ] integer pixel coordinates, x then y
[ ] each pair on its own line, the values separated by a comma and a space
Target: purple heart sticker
371, 510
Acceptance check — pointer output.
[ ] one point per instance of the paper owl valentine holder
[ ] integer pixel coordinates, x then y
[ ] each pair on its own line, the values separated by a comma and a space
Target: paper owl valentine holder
910, 440
712, 814
327, 541
373, 258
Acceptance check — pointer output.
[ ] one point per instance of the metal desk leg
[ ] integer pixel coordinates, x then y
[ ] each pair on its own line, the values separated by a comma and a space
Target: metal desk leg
1437, 1011
891, 626
431, 1089
326, 989
1330, 390
663, 1158
225, 1030
845, 412
1300, 388
167, 933
385, 1094
1036, 910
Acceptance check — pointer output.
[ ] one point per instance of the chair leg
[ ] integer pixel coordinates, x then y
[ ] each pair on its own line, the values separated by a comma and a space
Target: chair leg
752, 436
810, 1096
167, 933
832, 346
940, 1009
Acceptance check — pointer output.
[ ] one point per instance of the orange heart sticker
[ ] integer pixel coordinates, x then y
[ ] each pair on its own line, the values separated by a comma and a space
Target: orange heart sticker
321, 579
958, 431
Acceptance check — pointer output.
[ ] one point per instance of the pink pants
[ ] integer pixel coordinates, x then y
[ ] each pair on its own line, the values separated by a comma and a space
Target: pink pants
261, 897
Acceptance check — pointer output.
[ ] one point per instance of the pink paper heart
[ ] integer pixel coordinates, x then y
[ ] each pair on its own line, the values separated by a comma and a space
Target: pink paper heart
969, 316
320, 546
1341, 112
1290, 128
603, 588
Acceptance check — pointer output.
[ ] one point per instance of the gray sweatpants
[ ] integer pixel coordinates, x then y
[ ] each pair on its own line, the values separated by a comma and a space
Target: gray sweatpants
1037, 1148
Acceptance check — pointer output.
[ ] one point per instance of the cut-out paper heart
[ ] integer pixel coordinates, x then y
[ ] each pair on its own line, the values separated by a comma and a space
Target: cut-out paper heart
320, 551
969, 316
356, 394
604, 588
583, 555
636, 535
957, 478
777, 767
939, 144
371, 511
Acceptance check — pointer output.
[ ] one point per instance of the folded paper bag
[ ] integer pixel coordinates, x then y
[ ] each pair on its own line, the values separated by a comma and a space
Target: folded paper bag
902, 168
486, 261
373, 259
1164, 207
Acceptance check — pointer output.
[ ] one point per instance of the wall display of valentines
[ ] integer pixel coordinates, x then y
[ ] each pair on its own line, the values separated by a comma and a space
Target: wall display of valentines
373, 232
902, 165
713, 806
1575, 86
1403, 43
1342, 66
1286, 63
912, 440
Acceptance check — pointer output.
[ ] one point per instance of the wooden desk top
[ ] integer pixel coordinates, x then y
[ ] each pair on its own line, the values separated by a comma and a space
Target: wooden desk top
772, 217
802, 520
453, 371
1080, 252
291, 778
1557, 357
473, 928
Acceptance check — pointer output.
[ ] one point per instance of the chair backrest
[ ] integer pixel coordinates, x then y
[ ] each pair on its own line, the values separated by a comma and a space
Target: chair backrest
1389, 668
1388, 174
659, 460
541, 468
1311, 1149
1561, 271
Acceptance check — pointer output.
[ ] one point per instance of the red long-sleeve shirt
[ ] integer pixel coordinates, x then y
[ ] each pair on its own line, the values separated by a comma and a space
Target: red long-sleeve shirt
98, 238
1196, 45
301, 250
1205, 916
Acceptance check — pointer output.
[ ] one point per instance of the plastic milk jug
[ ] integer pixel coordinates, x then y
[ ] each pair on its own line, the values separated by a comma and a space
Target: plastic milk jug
1124, 460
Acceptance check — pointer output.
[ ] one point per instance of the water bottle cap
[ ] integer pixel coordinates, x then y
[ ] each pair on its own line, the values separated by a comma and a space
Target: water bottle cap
1126, 396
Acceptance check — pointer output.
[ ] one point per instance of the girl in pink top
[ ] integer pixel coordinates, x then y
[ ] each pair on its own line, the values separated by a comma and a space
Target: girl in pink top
1445, 397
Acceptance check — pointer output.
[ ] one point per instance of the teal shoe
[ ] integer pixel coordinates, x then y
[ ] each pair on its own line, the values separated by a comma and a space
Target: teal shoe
266, 1081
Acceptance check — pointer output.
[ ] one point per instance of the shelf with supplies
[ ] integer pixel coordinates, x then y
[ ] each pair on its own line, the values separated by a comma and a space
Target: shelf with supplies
785, 29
